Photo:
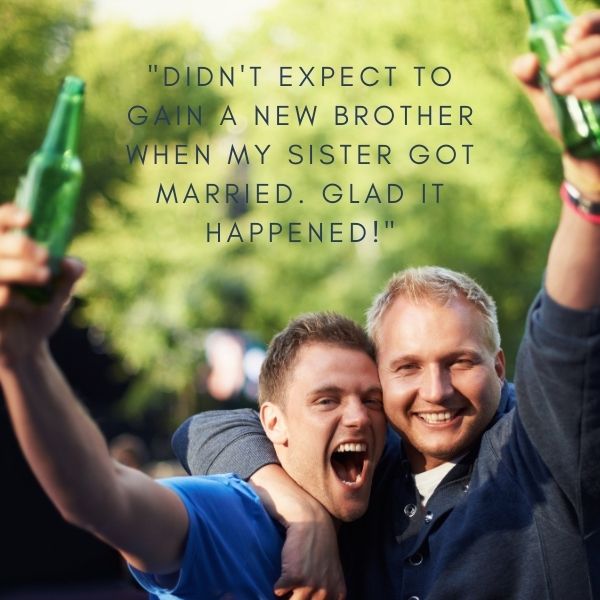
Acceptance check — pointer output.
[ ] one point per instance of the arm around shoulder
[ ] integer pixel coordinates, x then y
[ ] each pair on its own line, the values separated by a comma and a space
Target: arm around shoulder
223, 441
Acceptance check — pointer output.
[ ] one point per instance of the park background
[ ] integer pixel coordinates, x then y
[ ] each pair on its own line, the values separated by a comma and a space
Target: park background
154, 289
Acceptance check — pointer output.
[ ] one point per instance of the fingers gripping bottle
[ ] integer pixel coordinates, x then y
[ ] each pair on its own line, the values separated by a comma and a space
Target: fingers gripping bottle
579, 120
50, 188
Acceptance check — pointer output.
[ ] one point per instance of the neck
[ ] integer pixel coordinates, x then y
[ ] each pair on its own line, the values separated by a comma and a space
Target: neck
420, 463
63, 130
539, 9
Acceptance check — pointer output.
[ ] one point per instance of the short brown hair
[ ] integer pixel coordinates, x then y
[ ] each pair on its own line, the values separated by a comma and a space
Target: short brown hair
439, 285
321, 327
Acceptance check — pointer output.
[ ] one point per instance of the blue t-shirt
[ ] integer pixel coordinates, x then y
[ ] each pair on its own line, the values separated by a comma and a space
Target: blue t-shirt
233, 547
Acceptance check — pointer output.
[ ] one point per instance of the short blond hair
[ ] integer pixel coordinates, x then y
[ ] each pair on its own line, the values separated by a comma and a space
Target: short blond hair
440, 285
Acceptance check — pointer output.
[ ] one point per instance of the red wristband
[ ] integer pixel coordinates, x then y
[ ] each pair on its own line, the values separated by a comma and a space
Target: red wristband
586, 209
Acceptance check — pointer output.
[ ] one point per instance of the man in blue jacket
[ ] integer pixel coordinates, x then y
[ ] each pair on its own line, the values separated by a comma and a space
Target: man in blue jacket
473, 503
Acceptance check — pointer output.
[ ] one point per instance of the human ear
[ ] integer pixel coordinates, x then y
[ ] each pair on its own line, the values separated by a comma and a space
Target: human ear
500, 365
274, 424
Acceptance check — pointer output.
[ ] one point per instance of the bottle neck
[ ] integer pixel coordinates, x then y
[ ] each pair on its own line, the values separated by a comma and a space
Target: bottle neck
63, 130
539, 9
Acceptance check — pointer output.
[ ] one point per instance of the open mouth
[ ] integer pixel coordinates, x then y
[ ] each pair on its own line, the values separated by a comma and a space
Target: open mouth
349, 462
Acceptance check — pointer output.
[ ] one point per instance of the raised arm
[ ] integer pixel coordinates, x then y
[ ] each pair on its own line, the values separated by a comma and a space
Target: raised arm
573, 275
558, 369
63, 446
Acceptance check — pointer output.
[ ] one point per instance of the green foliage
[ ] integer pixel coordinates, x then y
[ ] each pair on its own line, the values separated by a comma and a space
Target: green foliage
153, 284
113, 60
41, 42
35, 41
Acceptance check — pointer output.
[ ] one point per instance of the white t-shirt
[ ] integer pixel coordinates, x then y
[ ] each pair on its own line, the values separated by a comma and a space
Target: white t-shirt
427, 481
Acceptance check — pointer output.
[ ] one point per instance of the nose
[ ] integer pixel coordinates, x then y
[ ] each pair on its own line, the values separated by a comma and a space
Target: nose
436, 384
355, 414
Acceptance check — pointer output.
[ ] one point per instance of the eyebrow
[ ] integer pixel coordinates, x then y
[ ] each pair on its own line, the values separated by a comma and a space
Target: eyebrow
471, 352
402, 358
334, 389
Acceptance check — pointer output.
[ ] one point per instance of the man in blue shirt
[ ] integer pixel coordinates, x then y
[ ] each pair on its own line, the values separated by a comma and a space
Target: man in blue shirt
479, 501
190, 537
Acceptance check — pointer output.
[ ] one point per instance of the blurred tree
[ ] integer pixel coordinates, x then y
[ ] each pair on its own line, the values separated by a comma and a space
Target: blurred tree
154, 285
113, 59
35, 49
41, 42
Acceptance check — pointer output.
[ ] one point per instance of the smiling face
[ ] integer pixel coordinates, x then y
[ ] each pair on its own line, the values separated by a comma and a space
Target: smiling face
441, 381
329, 431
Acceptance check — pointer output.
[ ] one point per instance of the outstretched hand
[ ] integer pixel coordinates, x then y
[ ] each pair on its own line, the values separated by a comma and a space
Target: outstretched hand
576, 71
25, 326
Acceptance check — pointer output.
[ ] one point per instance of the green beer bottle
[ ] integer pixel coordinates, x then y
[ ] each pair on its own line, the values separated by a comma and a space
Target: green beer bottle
50, 188
579, 120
